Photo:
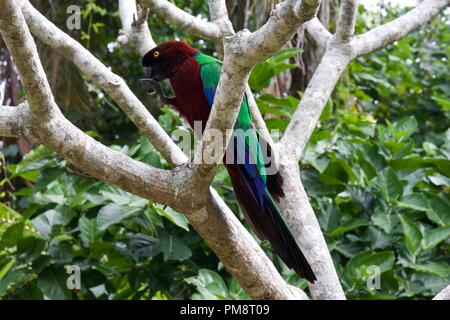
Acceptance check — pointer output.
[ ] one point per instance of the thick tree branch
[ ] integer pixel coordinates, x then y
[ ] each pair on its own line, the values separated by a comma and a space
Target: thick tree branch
313, 101
219, 16
296, 206
444, 294
105, 79
283, 23
383, 35
304, 225
41, 101
13, 120
135, 32
222, 118
181, 18
318, 31
346, 22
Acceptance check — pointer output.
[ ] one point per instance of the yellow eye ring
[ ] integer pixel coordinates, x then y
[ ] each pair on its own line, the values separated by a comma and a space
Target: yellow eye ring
156, 54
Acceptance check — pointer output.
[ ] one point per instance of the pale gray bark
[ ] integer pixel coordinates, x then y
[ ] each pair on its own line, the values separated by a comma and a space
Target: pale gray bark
347, 18
175, 15
444, 294
13, 121
135, 32
319, 33
383, 35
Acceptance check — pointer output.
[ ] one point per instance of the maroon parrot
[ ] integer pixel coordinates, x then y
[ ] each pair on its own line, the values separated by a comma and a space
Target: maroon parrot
194, 77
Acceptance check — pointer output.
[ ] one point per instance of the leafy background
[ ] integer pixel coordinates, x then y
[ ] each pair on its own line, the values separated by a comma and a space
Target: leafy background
377, 172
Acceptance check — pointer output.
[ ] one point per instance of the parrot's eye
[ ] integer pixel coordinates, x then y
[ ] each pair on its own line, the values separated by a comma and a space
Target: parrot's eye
156, 54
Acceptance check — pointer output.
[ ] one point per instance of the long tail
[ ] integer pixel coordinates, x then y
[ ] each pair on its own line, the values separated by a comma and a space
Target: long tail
284, 243
268, 222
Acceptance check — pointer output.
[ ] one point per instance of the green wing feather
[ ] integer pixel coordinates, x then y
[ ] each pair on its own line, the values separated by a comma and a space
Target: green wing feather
210, 69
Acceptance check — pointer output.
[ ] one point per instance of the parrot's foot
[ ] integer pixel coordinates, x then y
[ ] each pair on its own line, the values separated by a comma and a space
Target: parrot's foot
156, 86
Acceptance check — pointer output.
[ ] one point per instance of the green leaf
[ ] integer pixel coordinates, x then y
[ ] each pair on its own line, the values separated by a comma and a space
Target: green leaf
176, 218
382, 220
412, 233
173, 248
439, 210
12, 235
89, 232
52, 282
435, 236
441, 269
348, 226
415, 201
112, 214
5, 269
209, 284
390, 185
122, 198
46, 222
357, 265
406, 127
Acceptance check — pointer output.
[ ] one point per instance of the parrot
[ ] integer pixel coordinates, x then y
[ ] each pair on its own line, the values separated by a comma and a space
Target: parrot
194, 77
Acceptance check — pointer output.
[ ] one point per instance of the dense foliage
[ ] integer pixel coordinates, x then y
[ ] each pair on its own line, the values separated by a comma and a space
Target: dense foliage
377, 171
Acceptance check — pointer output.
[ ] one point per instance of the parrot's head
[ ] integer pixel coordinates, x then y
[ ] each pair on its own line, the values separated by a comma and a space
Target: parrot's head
160, 62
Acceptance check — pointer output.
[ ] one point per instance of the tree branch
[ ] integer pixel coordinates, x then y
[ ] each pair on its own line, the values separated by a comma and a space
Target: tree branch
299, 213
283, 23
181, 18
135, 32
41, 101
313, 101
444, 294
317, 30
383, 35
304, 226
347, 18
222, 118
13, 120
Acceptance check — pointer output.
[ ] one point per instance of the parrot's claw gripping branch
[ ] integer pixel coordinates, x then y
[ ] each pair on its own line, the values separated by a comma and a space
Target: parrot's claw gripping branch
156, 86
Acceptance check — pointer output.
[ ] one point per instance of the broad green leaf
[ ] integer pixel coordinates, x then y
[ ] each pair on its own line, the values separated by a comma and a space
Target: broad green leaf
173, 248
382, 220
384, 260
209, 284
121, 197
436, 236
47, 221
52, 282
176, 218
89, 231
441, 269
12, 235
390, 185
113, 214
415, 201
412, 233
4, 270
439, 210
348, 226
